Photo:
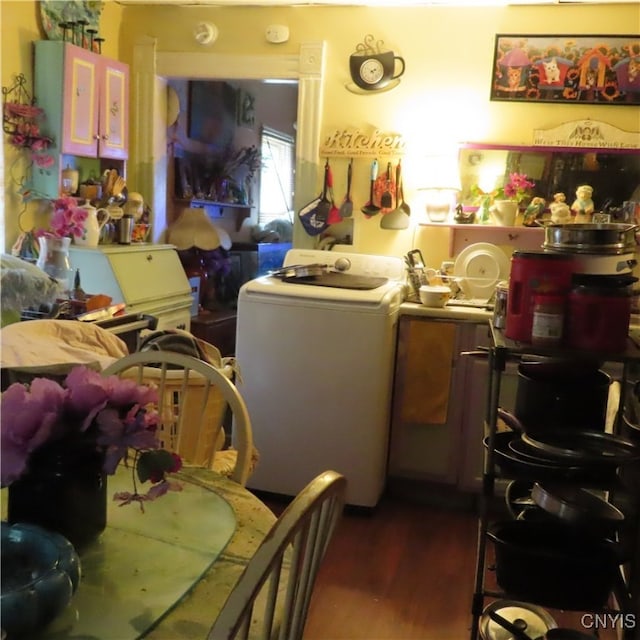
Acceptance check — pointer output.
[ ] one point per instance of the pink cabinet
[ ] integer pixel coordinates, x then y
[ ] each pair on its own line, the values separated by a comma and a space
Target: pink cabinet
95, 111
86, 100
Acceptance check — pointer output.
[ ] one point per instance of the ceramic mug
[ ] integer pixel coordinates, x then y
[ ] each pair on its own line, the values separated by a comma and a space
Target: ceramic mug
375, 70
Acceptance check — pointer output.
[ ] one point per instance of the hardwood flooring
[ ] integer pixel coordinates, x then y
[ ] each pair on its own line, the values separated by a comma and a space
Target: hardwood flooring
403, 572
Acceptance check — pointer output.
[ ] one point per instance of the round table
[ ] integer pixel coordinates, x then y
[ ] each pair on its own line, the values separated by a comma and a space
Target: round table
193, 617
167, 572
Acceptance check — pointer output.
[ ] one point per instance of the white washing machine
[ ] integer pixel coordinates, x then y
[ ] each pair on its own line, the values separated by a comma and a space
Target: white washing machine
316, 361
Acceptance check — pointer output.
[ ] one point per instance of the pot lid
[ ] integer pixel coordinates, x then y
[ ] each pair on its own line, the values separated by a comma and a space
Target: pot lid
532, 619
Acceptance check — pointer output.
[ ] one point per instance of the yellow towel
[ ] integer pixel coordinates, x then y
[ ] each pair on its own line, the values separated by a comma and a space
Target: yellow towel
426, 351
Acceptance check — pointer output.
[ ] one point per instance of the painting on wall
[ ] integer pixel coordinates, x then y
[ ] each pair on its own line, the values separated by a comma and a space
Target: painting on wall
246, 109
567, 69
212, 113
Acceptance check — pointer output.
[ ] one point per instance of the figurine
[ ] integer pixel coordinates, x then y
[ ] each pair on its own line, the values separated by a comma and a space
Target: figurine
583, 205
560, 212
533, 211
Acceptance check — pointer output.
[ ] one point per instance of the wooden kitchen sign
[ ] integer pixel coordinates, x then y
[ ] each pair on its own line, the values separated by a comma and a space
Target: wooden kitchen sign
587, 133
355, 143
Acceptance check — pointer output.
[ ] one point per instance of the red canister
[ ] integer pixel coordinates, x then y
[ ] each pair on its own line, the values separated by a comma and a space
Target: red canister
598, 318
533, 272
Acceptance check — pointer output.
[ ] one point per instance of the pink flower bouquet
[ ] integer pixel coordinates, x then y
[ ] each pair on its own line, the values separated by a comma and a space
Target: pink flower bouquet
67, 220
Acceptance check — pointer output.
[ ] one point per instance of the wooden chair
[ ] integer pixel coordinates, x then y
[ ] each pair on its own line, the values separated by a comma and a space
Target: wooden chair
271, 598
193, 398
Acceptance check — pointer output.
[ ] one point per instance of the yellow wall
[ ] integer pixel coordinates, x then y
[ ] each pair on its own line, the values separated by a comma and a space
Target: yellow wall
442, 98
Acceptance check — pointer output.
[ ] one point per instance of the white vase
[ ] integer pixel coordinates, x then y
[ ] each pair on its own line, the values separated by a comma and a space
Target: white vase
505, 212
54, 258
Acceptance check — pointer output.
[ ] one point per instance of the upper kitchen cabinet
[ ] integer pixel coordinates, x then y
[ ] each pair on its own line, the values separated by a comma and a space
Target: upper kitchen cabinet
86, 99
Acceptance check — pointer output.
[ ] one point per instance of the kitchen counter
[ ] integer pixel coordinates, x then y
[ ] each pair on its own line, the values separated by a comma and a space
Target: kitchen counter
456, 314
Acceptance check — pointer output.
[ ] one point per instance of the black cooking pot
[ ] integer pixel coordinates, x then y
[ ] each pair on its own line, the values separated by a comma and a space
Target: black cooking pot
547, 399
553, 564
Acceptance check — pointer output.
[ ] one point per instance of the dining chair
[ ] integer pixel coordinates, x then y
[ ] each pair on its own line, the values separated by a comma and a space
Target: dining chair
193, 398
271, 598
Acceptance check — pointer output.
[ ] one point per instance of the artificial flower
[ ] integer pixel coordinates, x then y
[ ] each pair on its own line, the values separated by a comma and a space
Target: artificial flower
67, 220
518, 187
43, 161
118, 412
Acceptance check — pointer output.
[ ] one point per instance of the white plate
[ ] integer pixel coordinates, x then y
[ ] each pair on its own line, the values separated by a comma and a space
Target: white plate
481, 265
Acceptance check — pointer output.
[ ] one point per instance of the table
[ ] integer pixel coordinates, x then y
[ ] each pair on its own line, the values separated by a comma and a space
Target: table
178, 562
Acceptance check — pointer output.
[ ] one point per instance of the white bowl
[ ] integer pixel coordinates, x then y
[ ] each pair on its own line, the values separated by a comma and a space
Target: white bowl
434, 295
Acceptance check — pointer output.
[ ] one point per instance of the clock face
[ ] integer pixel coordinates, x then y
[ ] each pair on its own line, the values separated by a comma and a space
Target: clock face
371, 71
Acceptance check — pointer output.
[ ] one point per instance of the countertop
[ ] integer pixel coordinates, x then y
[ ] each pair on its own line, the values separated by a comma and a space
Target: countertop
457, 314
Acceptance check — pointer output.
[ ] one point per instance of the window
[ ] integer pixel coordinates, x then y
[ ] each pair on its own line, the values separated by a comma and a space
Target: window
276, 176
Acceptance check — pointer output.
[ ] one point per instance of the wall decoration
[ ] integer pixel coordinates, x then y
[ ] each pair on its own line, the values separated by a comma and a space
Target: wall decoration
593, 134
373, 67
567, 69
76, 21
212, 113
355, 143
246, 109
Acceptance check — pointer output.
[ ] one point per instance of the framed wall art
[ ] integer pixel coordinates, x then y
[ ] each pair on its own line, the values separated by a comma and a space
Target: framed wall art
212, 112
246, 109
567, 69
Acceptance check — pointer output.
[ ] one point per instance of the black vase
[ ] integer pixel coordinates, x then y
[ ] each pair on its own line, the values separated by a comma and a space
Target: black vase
64, 490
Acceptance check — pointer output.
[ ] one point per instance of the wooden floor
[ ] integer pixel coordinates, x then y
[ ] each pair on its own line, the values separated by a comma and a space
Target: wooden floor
404, 572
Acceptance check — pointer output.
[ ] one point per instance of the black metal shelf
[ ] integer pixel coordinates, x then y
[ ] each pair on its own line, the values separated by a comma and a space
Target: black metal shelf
626, 589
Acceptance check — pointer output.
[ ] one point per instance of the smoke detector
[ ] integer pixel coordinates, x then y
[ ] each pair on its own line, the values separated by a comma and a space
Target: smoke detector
205, 33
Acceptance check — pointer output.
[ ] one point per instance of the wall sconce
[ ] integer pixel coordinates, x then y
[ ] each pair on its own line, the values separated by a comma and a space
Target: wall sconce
441, 186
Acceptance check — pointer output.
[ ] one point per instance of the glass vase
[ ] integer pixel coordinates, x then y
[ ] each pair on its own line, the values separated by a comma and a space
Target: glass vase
64, 490
54, 258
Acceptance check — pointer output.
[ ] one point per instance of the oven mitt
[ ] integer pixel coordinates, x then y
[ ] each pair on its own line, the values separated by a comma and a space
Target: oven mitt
314, 216
312, 223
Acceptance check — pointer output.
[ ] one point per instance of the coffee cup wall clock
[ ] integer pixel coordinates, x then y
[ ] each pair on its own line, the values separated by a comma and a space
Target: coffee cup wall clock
374, 68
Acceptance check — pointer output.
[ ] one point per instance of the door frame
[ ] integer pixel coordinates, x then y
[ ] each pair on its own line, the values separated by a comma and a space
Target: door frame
150, 70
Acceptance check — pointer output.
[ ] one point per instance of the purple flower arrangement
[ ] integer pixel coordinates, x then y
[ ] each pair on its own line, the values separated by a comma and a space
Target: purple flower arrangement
118, 413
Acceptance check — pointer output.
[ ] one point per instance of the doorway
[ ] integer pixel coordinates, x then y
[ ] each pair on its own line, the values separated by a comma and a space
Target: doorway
152, 68
226, 143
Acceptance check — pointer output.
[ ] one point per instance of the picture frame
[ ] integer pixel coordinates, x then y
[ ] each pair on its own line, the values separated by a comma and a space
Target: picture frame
211, 113
246, 109
566, 69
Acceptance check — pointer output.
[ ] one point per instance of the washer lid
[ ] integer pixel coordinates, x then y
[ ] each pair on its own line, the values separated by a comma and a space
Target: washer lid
481, 265
532, 619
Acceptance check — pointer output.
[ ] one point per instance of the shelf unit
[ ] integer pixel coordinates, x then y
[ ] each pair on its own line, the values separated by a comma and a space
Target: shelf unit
462, 235
216, 209
627, 590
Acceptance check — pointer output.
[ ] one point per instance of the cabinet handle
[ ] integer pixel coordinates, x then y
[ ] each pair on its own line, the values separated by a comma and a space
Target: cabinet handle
105, 136
97, 136
182, 325
149, 257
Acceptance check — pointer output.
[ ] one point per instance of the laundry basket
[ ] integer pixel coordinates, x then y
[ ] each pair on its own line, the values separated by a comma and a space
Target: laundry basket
196, 443
183, 400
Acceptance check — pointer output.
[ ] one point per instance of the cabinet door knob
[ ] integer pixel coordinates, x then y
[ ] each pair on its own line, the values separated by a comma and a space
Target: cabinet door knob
149, 257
